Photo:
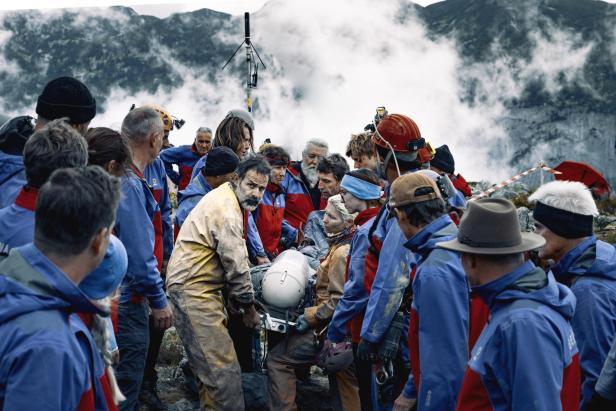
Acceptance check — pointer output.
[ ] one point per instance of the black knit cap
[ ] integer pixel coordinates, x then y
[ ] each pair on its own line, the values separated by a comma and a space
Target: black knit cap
220, 161
443, 160
66, 97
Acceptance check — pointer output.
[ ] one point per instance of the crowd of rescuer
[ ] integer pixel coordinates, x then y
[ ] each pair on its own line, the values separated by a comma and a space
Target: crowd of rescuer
526, 356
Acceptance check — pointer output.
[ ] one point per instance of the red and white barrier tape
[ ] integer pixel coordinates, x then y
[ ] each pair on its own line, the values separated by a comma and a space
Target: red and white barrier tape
496, 187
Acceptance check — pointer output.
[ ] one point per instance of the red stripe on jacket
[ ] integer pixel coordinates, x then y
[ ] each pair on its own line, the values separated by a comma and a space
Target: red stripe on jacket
27, 198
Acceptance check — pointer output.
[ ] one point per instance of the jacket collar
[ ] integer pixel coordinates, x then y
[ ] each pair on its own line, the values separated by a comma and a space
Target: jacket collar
567, 264
27, 198
363, 217
58, 284
490, 291
419, 241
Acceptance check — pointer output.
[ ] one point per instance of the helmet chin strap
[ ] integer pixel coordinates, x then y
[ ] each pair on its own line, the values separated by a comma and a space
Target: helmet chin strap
388, 157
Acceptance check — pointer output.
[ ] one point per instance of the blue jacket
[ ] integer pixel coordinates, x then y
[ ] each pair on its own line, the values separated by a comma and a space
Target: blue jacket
42, 364
392, 277
17, 221
356, 292
195, 191
12, 177
134, 227
590, 270
156, 177
439, 318
189, 198
526, 358
198, 166
185, 157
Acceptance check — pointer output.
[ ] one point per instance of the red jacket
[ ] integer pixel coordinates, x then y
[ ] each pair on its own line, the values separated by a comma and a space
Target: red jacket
299, 202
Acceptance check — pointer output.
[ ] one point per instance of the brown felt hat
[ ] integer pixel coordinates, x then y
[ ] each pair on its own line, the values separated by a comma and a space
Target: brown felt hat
491, 226
404, 188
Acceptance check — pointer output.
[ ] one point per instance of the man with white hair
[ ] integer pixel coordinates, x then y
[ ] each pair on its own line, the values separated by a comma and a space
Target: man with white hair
301, 184
563, 215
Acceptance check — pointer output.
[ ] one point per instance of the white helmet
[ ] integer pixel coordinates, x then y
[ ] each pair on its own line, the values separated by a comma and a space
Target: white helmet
284, 283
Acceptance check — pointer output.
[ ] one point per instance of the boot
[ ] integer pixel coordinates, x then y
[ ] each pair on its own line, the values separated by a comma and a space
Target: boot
149, 397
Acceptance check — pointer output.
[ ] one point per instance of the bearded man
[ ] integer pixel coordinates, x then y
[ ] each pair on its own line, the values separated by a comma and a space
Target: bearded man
300, 184
210, 256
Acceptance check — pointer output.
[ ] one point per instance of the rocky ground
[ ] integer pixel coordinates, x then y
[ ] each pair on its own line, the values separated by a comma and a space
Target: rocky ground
312, 393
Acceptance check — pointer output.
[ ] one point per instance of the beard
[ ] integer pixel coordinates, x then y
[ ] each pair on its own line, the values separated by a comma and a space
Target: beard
311, 174
247, 202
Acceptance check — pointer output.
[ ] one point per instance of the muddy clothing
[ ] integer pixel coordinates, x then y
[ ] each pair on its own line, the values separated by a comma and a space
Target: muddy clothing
210, 256
330, 283
301, 349
299, 353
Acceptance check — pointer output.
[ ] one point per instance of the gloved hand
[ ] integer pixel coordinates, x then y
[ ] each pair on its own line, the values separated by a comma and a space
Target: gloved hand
301, 325
366, 351
391, 342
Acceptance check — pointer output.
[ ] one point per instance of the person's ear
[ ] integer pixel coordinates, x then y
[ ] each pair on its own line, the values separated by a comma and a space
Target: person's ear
100, 242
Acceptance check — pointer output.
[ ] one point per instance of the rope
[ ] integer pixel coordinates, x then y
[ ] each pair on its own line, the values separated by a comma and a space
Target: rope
503, 184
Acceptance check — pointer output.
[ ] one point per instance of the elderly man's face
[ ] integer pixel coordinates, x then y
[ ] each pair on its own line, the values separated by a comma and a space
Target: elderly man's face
203, 142
312, 155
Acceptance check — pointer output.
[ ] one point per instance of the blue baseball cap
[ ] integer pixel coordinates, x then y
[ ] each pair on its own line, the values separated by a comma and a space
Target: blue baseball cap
106, 278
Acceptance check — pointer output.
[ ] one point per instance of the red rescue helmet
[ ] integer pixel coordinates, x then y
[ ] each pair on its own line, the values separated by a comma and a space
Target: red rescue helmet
400, 131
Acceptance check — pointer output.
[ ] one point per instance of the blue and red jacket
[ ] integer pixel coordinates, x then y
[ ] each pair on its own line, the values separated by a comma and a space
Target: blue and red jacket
350, 309
12, 177
526, 358
102, 392
198, 167
195, 191
389, 273
589, 270
156, 177
438, 333
270, 221
300, 200
17, 220
42, 362
185, 157
135, 228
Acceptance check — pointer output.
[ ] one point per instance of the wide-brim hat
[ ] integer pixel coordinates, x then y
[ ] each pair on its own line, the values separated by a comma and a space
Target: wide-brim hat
491, 227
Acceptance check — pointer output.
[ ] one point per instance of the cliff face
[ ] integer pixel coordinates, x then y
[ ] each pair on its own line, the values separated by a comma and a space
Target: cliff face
544, 71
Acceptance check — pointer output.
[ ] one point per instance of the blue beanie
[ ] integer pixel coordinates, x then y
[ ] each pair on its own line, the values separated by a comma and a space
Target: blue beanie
104, 280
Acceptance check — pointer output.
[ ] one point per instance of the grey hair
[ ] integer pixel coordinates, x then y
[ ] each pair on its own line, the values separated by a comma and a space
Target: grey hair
338, 204
139, 123
204, 130
317, 142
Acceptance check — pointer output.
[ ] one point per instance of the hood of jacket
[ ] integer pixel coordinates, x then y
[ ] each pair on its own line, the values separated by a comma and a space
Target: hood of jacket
528, 282
591, 257
441, 229
30, 282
